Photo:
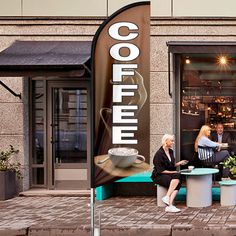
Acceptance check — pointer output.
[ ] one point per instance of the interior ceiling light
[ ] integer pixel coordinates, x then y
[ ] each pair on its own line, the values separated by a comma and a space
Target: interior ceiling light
187, 60
223, 60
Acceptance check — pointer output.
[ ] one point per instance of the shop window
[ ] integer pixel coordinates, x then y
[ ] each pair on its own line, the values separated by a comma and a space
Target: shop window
208, 86
38, 109
38, 118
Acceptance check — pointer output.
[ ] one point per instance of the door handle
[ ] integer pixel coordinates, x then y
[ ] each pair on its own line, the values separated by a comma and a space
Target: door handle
52, 141
54, 125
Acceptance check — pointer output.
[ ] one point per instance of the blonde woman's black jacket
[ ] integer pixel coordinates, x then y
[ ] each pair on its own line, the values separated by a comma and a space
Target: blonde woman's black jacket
161, 162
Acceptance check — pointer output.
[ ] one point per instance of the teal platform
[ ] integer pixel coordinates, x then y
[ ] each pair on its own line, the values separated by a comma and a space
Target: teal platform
106, 191
143, 177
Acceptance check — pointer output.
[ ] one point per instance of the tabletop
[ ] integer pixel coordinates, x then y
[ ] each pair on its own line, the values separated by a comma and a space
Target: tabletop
200, 171
228, 182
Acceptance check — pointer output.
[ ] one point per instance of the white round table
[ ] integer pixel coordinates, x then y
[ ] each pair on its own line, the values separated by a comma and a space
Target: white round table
199, 186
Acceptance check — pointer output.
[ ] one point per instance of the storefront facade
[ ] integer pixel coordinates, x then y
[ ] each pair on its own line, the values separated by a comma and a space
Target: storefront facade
174, 21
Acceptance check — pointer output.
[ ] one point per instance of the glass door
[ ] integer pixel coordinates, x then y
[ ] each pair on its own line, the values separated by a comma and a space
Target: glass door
68, 132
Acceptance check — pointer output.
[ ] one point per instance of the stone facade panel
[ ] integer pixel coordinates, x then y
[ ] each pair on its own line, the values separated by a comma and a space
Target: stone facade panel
12, 8
161, 8
203, 8
159, 54
159, 88
155, 145
161, 119
64, 8
50, 29
192, 30
11, 118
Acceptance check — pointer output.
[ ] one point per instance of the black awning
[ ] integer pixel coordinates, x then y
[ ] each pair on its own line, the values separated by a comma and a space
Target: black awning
201, 47
25, 57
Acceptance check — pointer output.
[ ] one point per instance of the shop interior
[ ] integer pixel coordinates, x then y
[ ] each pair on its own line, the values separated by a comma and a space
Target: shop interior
208, 86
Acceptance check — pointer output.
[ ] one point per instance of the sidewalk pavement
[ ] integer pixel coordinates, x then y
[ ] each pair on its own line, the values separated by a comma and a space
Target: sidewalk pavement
52, 216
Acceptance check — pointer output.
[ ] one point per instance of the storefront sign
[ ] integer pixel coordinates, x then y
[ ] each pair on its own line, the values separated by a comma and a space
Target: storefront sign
121, 90
121, 68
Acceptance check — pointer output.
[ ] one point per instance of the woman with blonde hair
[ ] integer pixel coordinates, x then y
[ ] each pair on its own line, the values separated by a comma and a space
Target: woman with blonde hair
204, 141
164, 172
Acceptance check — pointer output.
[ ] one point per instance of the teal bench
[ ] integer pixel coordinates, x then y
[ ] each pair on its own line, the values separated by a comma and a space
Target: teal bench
106, 191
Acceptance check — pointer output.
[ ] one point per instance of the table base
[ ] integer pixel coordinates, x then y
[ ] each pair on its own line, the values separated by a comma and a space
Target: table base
199, 191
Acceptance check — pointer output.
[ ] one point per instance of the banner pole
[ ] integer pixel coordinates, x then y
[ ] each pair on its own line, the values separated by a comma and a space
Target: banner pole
92, 210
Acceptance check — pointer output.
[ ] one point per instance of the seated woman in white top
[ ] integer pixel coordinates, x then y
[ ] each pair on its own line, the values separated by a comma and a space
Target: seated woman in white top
203, 140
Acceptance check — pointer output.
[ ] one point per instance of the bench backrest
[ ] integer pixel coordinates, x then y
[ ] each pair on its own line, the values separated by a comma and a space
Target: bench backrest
206, 155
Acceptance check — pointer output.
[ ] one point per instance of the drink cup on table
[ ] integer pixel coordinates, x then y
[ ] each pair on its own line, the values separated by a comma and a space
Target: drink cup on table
190, 168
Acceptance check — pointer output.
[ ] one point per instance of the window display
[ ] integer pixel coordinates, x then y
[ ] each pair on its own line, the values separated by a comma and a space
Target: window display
208, 88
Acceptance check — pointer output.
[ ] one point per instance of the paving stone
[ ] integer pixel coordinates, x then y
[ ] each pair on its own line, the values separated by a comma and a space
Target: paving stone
12, 232
52, 216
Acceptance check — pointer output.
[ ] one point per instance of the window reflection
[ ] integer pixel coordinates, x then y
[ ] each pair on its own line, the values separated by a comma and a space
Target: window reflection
38, 176
70, 125
38, 110
38, 133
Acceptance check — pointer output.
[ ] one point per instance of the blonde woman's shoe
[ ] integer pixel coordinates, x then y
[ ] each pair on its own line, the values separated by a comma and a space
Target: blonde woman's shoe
172, 209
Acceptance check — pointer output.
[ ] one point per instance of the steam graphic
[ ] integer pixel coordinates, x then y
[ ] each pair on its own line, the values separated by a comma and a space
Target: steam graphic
138, 99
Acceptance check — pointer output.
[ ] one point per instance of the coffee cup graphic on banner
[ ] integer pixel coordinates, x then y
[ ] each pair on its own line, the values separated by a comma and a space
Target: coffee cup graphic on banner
125, 157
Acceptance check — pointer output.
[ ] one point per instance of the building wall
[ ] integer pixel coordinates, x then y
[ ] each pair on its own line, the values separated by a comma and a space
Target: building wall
13, 122
160, 8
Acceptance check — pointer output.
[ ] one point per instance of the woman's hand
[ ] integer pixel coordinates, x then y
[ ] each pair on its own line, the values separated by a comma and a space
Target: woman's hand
169, 172
220, 145
181, 163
